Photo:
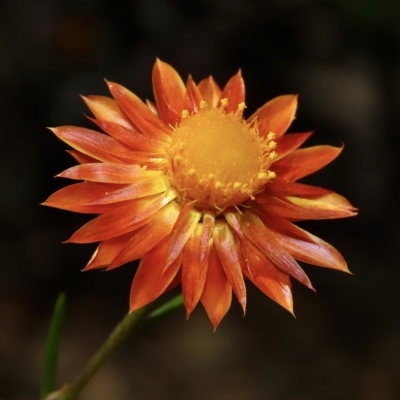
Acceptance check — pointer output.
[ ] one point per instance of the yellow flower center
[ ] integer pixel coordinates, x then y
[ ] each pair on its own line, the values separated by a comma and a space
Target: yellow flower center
218, 159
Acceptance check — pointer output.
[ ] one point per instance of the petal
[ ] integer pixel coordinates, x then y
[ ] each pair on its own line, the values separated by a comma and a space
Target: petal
153, 108
233, 219
276, 115
94, 144
129, 137
314, 251
149, 236
234, 91
330, 206
79, 194
265, 240
231, 259
193, 96
122, 220
107, 251
286, 144
109, 173
141, 116
139, 157
269, 279
206, 234
281, 188
298, 209
81, 158
169, 92
194, 269
144, 188
181, 233
304, 162
278, 223
150, 282
217, 293
210, 91
301, 244
107, 109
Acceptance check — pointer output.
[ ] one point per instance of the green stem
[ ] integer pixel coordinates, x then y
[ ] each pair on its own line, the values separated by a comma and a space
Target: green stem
122, 331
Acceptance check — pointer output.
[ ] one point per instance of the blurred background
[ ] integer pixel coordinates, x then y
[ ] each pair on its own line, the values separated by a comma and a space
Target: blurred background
343, 58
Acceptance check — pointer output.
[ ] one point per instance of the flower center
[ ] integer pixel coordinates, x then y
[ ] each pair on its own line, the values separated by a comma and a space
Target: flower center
217, 159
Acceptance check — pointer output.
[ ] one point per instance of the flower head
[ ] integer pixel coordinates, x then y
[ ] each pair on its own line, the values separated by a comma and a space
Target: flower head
202, 196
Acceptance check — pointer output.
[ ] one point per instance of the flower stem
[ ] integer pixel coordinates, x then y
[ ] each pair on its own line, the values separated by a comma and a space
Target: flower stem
129, 324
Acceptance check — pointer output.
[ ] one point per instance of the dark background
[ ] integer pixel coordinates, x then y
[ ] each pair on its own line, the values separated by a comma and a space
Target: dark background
343, 58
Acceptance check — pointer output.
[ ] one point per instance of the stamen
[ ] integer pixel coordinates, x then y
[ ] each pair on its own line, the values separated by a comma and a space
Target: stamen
272, 156
241, 106
262, 176
271, 135
203, 104
272, 145
202, 168
177, 159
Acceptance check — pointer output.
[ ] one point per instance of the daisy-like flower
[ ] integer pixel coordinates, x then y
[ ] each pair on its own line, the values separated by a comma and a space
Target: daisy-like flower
202, 196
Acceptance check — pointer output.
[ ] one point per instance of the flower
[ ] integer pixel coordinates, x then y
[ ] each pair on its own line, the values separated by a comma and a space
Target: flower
202, 196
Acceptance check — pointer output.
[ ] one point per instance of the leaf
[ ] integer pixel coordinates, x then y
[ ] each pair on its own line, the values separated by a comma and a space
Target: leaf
52, 347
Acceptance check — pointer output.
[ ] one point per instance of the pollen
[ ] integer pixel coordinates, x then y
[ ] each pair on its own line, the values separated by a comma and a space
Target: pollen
241, 106
217, 159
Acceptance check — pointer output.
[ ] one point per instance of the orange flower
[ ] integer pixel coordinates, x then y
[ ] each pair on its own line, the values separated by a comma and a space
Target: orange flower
202, 196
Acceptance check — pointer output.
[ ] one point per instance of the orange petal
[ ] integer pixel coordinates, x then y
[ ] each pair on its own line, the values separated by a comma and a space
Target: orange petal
210, 91
81, 158
153, 108
269, 279
265, 240
302, 209
141, 116
231, 259
286, 144
278, 223
304, 162
206, 234
79, 194
281, 188
314, 251
122, 220
183, 228
233, 219
194, 269
193, 96
149, 236
217, 293
94, 144
169, 92
301, 244
276, 115
128, 137
107, 251
144, 188
234, 91
109, 173
107, 109
150, 282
